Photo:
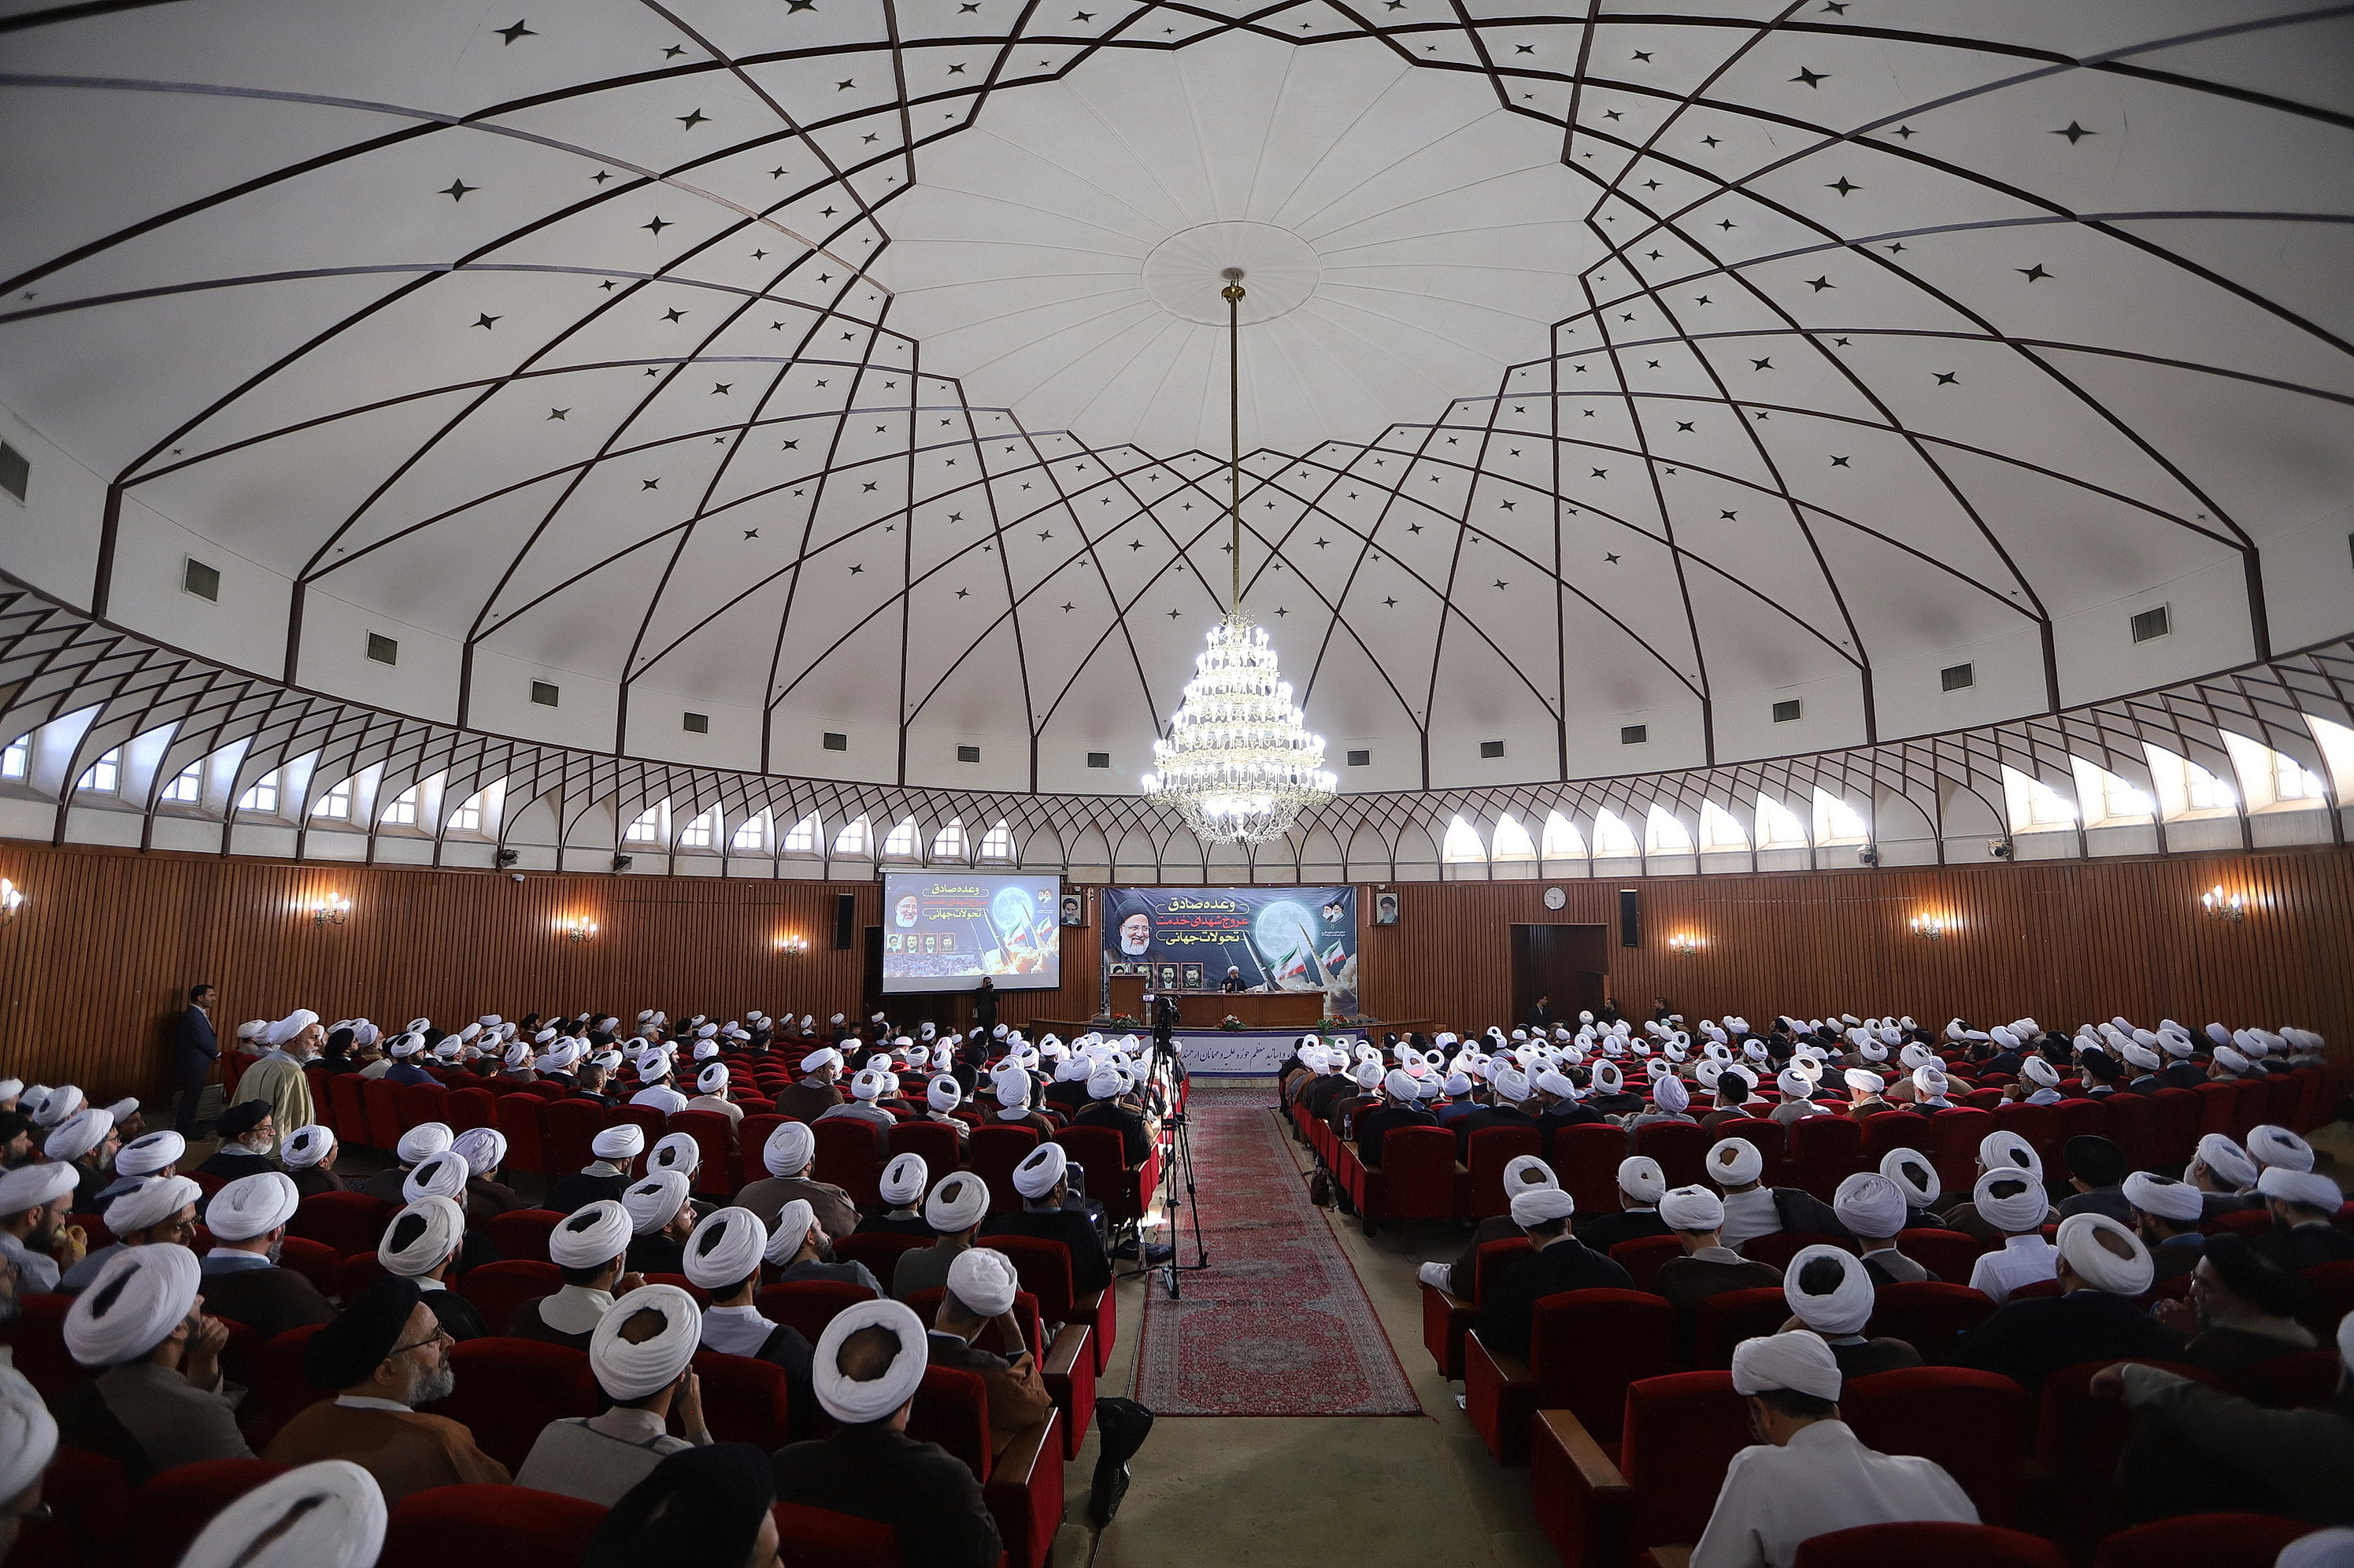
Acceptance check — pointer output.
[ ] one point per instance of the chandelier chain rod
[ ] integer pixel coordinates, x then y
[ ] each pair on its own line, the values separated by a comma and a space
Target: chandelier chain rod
1233, 293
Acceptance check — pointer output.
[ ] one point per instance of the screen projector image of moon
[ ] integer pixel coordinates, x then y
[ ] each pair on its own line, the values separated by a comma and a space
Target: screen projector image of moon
944, 931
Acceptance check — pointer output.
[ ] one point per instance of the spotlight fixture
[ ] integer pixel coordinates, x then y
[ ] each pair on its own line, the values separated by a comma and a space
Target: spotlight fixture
12, 898
332, 910
2219, 904
577, 928
1929, 928
792, 947
1683, 946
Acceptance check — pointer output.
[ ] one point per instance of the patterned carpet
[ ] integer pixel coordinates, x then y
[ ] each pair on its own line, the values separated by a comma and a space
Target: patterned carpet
1277, 1324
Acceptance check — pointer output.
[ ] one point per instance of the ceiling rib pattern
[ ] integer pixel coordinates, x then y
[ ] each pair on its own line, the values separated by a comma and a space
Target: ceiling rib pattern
1890, 332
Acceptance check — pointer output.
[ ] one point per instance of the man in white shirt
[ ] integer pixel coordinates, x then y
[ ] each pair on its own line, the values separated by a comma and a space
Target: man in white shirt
1810, 1474
642, 1352
2014, 1203
1734, 1164
654, 1073
865, 1087
711, 1093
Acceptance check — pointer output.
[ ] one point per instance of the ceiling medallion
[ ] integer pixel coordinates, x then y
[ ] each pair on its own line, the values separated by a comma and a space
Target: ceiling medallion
1238, 766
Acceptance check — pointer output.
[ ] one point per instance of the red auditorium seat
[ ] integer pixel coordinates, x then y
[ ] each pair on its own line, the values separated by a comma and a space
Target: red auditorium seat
679, 1281
348, 1111
314, 1261
174, 1506
809, 1305
2333, 1290
2079, 1438
508, 1389
1100, 1151
713, 1138
519, 1119
1953, 1137
353, 1275
820, 1538
471, 1106
1023, 1485
1973, 1424
2248, 1101
1770, 1139
1502, 1393
1044, 1268
381, 1102
746, 1400
1928, 1314
1920, 1545
1418, 1174
417, 1103
489, 1526
1681, 1148
1068, 1367
2308, 1381
95, 1235
2214, 1108
878, 1250
570, 1126
2248, 1222
752, 1135
2174, 1137
1885, 1132
936, 1141
1492, 1149
521, 1235
2133, 1128
345, 1223
280, 1389
2201, 1541
496, 1289
995, 1152
318, 1078
1732, 1316
1585, 1159
1824, 1151
1446, 1318
1641, 1258
850, 1156
37, 1342
1681, 1431
1949, 1255
1778, 1247
87, 1499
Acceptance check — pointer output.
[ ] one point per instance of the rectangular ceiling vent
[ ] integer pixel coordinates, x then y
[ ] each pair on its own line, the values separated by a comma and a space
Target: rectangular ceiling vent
1492, 748
1634, 734
382, 648
1785, 711
836, 742
1955, 677
696, 724
2150, 624
544, 693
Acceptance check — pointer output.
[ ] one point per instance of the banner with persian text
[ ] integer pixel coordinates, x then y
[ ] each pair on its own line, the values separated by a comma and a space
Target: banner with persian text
1246, 939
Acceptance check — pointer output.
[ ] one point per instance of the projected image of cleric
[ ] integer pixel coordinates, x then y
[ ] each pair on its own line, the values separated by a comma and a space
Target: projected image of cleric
906, 911
1136, 932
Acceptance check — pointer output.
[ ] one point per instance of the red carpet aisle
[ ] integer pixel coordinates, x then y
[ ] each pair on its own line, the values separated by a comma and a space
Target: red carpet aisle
1278, 1325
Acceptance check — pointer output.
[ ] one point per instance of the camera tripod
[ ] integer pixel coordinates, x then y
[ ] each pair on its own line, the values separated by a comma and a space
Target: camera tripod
1180, 1173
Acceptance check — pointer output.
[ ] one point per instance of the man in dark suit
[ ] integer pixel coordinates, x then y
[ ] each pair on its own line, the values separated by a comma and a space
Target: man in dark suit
1540, 1015
1400, 1107
1041, 1181
1511, 1089
2101, 1267
194, 1050
1561, 1262
2305, 1206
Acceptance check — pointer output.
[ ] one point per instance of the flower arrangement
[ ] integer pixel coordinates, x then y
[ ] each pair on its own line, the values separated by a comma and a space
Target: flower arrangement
1230, 1023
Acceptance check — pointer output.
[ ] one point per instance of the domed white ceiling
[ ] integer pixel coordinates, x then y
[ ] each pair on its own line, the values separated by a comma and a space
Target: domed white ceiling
851, 369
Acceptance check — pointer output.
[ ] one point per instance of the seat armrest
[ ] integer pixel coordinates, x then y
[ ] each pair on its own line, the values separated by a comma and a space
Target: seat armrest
1667, 1557
1063, 1354
1500, 1394
1025, 1493
1585, 1508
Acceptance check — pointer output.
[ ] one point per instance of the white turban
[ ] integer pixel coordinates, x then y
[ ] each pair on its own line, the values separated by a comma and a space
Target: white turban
330, 1514
1842, 1310
1734, 1162
151, 1203
1526, 1170
821, 1058
2105, 1254
1797, 1361
1641, 1179
675, 1151
2040, 1073
2228, 1160
139, 1297
957, 1203
618, 1142
1534, 1206
1691, 1209
1913, 1176
1860, 1082
422, 1236
592, 1237
725, 1248
308, 1146
145, 1156
788, 1149
2164, 1196
656, 1201
290, 1025
443, 1176
858, 1403
2012, 1200
1870, 1204
2267, 1146
943, 1095
484, 1148
905, 1179
1513, 1085
2306, 1188
1040, 1170
632, 1371
791, 1229
423, 1142
1670, 1094
28, 1433
867, 1083
2006, 1150
984, 1281
1794, 1084
78, 1135
253, 1206
712, 1079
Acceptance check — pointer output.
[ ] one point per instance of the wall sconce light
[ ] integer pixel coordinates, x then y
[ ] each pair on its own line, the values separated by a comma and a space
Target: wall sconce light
792, 947
1683, 946
577, 928
12, 898
2222, 905
332, 910
1929, 928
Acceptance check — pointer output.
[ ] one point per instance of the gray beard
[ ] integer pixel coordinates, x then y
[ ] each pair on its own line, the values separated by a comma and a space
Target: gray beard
434, 1387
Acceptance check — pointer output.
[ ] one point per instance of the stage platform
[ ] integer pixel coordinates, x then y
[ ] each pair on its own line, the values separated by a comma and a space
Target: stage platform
1231, 1052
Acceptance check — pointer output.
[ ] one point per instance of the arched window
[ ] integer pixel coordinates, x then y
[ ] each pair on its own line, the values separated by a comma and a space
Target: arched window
105, 775
1512, 840
335, 804
856, 840
997, 844
1562, 839
753, 836
1663, 834
263, 796
1838, 822
1462, 846
702, 833
2033, 806
402, 812
2108, 799
1719, 829
803, 838
1778, 826
899, 843
648, 828
1613, 837
188, 787
949, 845
16, 757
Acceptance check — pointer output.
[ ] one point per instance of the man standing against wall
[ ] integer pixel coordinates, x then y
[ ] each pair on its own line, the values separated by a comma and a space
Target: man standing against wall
196, 1049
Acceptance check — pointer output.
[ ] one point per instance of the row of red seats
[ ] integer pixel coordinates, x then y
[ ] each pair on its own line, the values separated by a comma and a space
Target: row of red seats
2194, 1540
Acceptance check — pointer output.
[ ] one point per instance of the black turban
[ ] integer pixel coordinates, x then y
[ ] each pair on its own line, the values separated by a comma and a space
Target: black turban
711, 1499
346, 1349
241, 1118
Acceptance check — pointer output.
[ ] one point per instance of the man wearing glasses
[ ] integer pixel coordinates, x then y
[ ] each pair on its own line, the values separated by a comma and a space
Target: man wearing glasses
386, 1355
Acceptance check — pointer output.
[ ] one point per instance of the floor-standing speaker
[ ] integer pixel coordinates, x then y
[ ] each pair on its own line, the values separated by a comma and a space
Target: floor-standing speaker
846, 919
1630, 918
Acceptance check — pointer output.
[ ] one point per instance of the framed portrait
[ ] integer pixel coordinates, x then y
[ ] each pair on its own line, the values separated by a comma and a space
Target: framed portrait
1192, 976
1168, 977
1075, 909
1385, 908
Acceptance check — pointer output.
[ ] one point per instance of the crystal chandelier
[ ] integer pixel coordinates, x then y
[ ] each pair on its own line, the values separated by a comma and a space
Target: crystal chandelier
1238, 766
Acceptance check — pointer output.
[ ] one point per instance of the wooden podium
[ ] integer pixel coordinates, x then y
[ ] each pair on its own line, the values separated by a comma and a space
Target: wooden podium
1299, 1009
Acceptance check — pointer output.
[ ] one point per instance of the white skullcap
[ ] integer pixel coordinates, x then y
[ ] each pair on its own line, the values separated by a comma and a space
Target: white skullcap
307, 1145
2009, 1200
423, 1142
632, 1371
2164, 1196
422, 1236
942, 1094
859, 1403
788, 1149
984, 1281
905, 1179
620, 1141
2228, 1160
443, 1176
145, 1156
1691, 1209
1040, 1170
957, 1203
2042, 1074
656, 1201
28, 1434
151, 1203
484, 1148
1914, 1175
2308, 1188
590, 1237
1670, 1096
1843, 1310
1798, 1361
2006, 1150
725, 1248
140, 1295
330, 1514
1870, 1204
78, 1135
791, 1230
1641, 1179
2267, 1146
1734, 1162
1541, 1205
675, 1151
2105, 1254
1860, 1082
1524, 1171
251, 1206
290, 1025
712, 1079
